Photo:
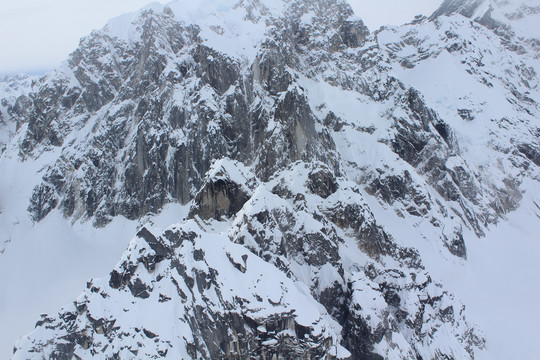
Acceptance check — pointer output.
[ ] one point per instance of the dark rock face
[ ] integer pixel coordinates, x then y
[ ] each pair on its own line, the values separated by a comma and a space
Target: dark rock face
224, 326
456, 245
223, 194
530, 153
13, 102
322, 183
146, 135
466, 8
42, 202
354, 33
394, 188
466, 114
282, 232
218, 199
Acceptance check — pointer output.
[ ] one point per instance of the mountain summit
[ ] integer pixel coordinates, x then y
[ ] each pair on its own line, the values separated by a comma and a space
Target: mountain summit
325, 172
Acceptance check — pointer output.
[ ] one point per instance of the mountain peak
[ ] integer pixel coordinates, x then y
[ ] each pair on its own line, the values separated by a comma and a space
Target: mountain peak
507, 18
468, 8
238, 29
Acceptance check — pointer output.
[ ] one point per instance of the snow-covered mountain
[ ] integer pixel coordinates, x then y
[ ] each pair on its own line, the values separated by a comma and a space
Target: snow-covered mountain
300, 185
508, 19
12, 91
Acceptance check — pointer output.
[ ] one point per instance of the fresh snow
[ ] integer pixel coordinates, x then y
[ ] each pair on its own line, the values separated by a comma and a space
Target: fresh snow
499, 282
223, 24
44, 266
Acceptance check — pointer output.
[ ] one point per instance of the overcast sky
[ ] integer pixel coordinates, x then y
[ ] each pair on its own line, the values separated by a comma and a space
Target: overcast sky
36, 35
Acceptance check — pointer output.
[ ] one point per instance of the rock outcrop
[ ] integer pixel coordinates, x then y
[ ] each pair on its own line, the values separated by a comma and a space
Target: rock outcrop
172, 296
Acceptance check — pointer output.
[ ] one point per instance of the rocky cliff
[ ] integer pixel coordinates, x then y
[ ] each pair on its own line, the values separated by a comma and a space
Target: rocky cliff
13, 90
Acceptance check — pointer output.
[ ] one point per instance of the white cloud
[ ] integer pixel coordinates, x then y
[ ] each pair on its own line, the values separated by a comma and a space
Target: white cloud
36, 35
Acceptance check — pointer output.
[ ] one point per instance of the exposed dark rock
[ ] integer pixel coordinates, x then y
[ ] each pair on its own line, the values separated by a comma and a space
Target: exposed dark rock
228, 328
43, 201
464, 7
333, 121
354, 33
456, 245
530, 153
466, 114
270, 71
400, 188
217, 199
322, 183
